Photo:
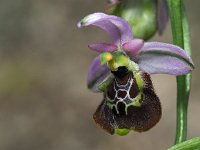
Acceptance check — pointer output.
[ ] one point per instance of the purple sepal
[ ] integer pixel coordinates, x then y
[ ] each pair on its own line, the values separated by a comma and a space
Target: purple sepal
97, 74
132, 47
103, 47
156, 57
117, 28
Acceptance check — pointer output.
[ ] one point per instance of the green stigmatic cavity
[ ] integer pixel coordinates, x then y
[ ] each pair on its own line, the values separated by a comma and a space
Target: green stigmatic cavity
122, 132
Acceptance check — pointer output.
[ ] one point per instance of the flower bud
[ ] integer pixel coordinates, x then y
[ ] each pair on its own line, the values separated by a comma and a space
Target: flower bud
144, 16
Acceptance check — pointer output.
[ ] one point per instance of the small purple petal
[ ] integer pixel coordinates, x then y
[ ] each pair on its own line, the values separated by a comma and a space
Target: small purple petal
117, 28
97, 74
132, 47
162, 15
157, 57
103, 47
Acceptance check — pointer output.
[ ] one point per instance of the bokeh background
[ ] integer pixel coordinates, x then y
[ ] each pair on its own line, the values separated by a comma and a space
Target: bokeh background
44, 60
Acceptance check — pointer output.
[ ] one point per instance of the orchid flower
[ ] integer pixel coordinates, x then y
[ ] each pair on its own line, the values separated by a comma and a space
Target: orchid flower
144, 16
152, 57
122, 71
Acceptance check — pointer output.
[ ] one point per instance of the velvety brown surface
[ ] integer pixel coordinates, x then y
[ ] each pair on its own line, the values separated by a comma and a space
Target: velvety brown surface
140, 118
44, 101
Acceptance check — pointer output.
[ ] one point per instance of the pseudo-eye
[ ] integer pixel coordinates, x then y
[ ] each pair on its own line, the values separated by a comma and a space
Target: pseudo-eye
122, 72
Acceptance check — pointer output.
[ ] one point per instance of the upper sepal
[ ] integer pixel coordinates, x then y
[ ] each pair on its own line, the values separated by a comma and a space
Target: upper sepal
163, 58
117, 28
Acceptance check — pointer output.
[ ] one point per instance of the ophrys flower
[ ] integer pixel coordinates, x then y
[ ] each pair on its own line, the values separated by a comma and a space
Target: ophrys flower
122, 71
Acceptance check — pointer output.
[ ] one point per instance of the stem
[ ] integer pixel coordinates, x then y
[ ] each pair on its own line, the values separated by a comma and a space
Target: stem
192, 144
181, 37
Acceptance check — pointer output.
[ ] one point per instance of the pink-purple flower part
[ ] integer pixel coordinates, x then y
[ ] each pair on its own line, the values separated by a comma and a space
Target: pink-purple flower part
151, 57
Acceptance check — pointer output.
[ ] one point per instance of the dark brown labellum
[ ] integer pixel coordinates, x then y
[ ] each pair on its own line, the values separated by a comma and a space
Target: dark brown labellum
126, 106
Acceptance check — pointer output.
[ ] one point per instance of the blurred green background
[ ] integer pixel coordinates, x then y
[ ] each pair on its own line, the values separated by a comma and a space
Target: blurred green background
44, 60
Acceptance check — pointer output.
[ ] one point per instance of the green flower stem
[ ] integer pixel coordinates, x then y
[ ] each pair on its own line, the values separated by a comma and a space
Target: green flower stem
192, 144
181, 37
